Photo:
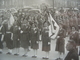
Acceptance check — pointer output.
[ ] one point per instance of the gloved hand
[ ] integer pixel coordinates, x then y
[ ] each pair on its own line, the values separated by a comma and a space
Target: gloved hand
21, 31
2, 37
49, 43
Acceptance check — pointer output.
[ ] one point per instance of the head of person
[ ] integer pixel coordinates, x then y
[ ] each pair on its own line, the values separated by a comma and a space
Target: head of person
45, 25
62, 10
73, 29
43, 7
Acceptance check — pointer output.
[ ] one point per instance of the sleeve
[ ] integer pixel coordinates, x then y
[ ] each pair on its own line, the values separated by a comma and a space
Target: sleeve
11, 29
3, 30
37, 34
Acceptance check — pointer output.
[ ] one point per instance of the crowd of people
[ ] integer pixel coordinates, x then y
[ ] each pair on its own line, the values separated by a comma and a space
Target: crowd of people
69, 20
32, 26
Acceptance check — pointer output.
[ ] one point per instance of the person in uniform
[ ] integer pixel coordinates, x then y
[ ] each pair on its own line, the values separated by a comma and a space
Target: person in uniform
40, 23
46, 39
34, 39
78, 17
1, 39
78, 20
60, 43
8, 37
74, 35
24, 38
78, 45
16, 40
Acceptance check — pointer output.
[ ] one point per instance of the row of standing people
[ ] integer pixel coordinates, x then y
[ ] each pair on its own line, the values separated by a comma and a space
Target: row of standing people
24, 36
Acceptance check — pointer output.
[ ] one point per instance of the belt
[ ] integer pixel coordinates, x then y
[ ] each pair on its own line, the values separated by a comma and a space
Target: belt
8, 32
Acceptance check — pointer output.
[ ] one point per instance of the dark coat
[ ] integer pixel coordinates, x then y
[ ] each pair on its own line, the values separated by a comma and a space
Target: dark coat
16, 34
75, 37
45, 40
1, 43
60, 45
24, 37
60, 41
72, 55
7, 36
78, 41
34, 38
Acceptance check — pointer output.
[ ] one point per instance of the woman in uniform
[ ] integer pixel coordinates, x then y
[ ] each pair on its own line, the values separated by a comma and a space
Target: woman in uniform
46, 39
60, 43
7, 37
24, 38
34, 39
16, 42
1, 39
74, 35
78, 45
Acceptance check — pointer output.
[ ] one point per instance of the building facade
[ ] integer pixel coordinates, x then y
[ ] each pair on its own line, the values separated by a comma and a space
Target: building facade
53, 3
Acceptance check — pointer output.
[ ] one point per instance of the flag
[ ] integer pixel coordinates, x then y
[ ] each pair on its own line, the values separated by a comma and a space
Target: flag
53, 27
11, 21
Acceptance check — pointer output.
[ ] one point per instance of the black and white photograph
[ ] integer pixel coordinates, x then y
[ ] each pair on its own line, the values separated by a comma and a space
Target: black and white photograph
39, 29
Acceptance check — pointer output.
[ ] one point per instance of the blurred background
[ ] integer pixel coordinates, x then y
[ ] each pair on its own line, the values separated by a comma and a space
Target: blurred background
53, 3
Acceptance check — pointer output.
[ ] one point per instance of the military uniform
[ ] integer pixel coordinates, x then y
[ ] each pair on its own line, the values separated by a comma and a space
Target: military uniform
34, 38
60, 42
75, 22
78, 43
79, 20
7, 36
45, 39
1, 44
79, 40
74, 36
24, 36
60, 45
71, 22
16, 33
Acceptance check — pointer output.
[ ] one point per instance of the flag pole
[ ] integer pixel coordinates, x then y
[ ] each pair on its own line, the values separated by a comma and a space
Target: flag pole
53, 8
53, 4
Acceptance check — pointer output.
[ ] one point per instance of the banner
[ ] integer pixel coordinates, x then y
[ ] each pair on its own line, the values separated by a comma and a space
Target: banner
53, 27
11, 21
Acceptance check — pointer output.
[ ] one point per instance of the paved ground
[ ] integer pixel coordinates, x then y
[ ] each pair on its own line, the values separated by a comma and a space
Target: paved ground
11, 57
52, 55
